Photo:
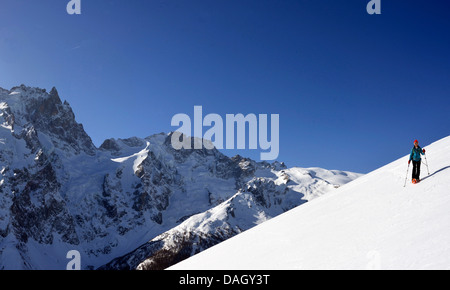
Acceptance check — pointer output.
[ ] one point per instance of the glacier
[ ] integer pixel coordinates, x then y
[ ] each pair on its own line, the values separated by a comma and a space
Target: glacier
133, 203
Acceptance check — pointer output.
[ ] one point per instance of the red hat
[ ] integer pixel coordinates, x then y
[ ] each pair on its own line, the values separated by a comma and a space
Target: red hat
415, 141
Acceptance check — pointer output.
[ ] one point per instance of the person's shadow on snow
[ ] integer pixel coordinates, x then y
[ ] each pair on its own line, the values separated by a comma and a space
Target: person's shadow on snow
440, 170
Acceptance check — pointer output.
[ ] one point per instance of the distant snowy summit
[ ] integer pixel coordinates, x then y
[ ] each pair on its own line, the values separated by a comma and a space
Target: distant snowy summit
132, 203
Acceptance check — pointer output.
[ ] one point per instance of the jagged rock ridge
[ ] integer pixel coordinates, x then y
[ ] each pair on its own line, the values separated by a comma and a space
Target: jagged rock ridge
132, 203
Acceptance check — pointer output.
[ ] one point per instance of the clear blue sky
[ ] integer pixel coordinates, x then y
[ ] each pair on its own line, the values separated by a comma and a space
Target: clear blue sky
352, 90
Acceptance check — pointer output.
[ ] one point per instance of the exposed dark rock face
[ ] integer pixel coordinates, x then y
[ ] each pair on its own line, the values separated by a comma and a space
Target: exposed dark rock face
132, 203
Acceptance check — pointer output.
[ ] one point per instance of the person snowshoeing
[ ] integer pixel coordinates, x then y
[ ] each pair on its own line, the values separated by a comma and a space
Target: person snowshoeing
416, 159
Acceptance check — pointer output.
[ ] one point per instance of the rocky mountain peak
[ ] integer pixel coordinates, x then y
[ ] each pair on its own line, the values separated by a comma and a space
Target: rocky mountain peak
34, 108
58, 191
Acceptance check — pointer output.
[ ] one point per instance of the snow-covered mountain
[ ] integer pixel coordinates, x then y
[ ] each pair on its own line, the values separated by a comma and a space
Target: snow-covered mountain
132, 203
265, 194
373, 222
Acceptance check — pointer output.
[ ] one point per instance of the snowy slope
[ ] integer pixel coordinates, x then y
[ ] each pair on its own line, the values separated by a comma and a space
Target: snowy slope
370, 223
261, 198
58, 192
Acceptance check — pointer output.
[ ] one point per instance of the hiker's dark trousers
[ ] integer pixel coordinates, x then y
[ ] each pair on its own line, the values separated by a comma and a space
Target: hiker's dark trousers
416, 169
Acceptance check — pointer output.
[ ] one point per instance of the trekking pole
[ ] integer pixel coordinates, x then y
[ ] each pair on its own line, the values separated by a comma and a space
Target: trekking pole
406, 178
427, 163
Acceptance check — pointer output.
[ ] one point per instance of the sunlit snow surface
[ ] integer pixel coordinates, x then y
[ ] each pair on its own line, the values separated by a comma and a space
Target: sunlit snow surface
371, 223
